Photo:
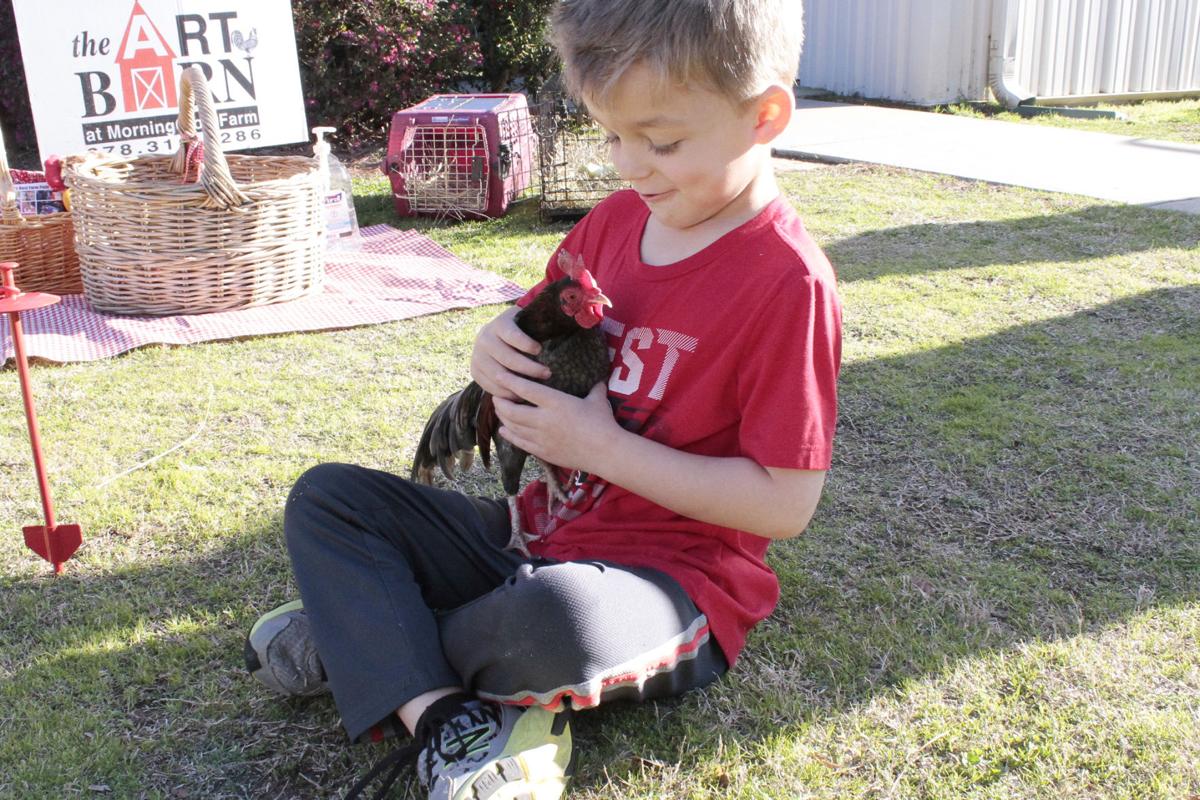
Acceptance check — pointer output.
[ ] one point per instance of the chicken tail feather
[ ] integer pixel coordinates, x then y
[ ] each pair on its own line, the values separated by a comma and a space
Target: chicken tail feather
485, 429
449, 435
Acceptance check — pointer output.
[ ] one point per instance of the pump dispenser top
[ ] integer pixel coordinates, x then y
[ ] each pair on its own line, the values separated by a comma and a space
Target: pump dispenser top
341, 220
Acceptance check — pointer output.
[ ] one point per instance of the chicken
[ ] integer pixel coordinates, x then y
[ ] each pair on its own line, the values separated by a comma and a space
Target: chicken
246, 43
564, 317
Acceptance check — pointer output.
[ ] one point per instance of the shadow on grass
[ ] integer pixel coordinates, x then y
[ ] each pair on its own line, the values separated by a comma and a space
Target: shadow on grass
1024, 486
1018, 487
1093, 232
131, 683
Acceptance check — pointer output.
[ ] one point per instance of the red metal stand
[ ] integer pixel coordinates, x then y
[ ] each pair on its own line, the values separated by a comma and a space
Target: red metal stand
55, 543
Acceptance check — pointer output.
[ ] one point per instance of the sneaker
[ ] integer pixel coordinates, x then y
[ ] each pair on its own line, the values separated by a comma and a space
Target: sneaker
280, 652
488, 751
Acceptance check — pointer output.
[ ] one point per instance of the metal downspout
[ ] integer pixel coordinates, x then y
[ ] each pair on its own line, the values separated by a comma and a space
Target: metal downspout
1002, 65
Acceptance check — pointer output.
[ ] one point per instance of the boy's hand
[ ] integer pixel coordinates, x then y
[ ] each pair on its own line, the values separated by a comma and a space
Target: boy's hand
557, 427
502, 348
581, 433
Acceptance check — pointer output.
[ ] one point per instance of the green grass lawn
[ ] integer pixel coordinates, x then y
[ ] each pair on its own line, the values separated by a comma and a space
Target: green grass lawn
999, 596
1168, 120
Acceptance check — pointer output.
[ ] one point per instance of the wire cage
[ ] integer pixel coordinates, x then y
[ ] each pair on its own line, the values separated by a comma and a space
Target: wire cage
573, 164
461, 155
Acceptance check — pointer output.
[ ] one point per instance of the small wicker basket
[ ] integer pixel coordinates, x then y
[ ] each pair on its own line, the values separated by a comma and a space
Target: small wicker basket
248, 233
43, 245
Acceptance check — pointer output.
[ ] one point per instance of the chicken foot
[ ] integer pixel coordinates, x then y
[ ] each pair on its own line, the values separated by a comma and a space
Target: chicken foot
518, 539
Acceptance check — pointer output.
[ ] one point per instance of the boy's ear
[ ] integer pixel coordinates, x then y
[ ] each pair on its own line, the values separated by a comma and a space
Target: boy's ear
773, 110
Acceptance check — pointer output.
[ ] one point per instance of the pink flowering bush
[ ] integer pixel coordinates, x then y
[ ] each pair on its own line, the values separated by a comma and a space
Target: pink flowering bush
360, 61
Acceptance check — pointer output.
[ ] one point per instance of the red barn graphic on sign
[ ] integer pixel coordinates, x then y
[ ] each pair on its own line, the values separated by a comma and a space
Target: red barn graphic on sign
147, 64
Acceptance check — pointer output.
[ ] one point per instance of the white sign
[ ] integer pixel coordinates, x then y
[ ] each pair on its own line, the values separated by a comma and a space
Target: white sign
104, 74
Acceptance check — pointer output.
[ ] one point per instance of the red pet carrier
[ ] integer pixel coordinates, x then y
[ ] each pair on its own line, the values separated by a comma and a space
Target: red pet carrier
461, 155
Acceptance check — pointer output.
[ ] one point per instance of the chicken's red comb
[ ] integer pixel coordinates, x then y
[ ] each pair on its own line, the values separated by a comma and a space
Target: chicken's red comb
569, 264
586, 281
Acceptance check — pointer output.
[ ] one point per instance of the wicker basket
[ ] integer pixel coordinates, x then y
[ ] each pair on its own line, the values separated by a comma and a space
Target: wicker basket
250, 232
43, 245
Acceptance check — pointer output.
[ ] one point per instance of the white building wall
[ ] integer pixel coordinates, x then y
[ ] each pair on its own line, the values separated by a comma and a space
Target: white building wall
937, 51
1087, 47
916, 51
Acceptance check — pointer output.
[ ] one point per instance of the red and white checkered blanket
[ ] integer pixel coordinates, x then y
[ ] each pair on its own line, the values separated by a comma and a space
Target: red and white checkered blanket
395, 275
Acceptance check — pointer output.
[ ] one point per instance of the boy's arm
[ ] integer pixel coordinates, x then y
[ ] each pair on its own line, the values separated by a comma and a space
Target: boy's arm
731, 492
581, 433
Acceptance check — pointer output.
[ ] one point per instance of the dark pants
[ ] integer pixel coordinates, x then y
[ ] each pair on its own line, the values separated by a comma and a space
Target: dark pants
409, 589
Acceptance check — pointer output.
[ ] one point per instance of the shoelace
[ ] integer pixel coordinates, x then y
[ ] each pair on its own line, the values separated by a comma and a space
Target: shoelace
429, 738
396, 761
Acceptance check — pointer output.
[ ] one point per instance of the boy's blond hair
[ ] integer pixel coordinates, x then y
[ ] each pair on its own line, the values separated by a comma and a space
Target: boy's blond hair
734, 47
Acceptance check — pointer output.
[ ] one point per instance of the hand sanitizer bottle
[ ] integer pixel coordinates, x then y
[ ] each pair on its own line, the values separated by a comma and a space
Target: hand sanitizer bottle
341, 221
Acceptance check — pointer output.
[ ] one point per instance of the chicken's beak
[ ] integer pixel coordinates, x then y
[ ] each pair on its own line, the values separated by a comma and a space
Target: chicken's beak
595, 308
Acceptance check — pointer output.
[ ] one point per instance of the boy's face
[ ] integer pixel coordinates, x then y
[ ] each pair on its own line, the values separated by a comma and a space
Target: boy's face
690, 153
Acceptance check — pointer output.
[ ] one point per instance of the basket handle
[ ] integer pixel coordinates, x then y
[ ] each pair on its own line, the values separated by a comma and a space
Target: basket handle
8, 194
215, 178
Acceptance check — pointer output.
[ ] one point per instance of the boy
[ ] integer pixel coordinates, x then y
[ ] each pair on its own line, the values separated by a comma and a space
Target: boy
725, 335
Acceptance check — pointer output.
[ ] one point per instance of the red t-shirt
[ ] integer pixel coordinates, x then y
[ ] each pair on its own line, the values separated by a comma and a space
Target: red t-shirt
733, 351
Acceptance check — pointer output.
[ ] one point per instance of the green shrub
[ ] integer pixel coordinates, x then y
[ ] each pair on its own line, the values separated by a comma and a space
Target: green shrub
360, 61
512, 37
14, 96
